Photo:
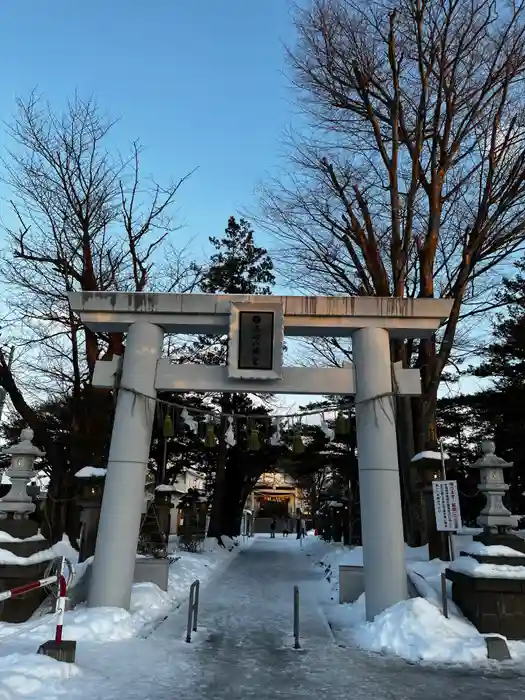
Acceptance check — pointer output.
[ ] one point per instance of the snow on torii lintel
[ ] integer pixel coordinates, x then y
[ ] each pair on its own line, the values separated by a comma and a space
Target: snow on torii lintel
429, 454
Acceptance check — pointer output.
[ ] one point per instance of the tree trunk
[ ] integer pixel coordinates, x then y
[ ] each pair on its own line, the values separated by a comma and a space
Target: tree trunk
407, 475
216, 515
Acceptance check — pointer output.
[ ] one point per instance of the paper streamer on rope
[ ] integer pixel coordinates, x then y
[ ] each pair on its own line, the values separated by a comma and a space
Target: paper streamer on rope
229, 436
210, 438
297, 441
276, 439
254, 441
168, 430
329, 432
342, 424
189, 421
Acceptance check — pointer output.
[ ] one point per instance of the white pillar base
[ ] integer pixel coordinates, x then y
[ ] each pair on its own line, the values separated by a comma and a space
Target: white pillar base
122, 504
379, 487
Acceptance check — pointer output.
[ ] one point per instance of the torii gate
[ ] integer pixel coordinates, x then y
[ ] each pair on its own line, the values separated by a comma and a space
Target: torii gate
256, 326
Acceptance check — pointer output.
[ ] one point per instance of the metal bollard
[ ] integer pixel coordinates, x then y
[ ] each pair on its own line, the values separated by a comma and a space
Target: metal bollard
444, 600
193, 609
297, 644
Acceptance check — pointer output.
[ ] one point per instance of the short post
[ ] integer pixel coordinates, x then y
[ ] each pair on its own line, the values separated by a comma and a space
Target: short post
444, 600
297, 644
196, 604
57, 648
193, 609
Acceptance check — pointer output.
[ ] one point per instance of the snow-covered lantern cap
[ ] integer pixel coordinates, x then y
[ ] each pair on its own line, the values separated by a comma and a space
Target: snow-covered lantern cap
23, 455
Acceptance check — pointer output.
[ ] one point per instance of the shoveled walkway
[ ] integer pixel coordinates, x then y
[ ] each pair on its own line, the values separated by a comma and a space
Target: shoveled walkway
244, 649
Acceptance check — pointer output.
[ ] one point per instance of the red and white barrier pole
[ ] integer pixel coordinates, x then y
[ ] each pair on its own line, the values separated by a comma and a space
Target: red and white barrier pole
57, 648
61, 607
21, 590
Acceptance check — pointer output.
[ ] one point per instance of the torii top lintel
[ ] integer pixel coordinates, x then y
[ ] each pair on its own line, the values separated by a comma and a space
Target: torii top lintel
303, 316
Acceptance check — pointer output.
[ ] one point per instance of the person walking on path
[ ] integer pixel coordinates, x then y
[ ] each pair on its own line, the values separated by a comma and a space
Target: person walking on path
273, 525
301, 528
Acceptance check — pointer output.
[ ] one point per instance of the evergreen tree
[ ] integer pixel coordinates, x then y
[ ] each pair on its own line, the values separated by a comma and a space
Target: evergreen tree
237, 266
497, 411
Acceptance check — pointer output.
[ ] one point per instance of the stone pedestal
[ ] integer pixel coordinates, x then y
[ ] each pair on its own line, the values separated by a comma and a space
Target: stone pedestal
493, 605
20, 609
502, 539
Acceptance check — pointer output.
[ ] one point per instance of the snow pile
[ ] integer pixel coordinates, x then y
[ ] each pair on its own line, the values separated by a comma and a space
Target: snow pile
106, 636
35, 676
415, 629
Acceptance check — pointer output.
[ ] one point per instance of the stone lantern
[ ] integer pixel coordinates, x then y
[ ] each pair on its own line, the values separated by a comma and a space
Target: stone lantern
497, 522
17, 504
89, 501
493, 600
18, 533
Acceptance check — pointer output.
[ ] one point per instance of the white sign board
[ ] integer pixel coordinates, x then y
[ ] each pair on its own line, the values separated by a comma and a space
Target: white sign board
446, 506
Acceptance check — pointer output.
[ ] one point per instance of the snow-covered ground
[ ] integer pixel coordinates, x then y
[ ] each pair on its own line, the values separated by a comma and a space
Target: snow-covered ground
415, 630
107, 638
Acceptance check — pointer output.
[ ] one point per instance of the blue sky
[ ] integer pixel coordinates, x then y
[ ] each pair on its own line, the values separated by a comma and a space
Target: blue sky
200, 83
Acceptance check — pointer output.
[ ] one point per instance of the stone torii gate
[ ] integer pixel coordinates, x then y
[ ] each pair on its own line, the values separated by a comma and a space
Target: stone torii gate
256, 326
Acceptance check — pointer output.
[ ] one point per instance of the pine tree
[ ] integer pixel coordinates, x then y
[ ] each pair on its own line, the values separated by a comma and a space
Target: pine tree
237, 266
497, 411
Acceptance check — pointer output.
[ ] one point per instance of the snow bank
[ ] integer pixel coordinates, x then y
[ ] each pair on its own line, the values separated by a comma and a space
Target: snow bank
415, 629
105, 635
35, 676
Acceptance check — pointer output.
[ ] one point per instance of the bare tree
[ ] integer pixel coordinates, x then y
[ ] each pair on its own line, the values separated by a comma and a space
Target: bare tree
410, 180
83, 221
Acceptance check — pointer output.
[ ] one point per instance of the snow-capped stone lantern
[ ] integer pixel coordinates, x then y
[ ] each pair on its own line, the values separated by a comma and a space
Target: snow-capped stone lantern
89, 501
17, 503
488, 585
495, 519
19, 533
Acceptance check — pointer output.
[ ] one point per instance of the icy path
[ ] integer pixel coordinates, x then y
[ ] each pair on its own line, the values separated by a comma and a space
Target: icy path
245, 649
